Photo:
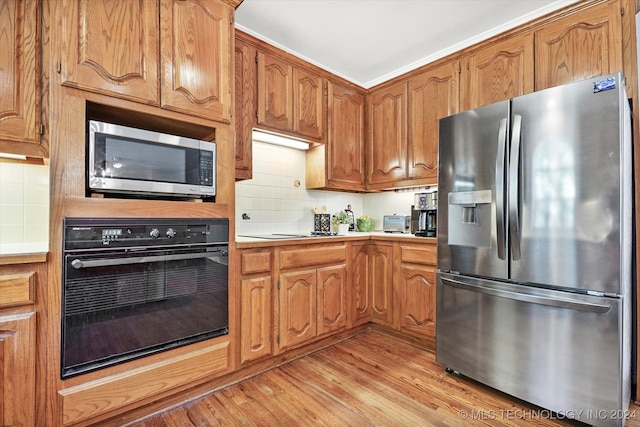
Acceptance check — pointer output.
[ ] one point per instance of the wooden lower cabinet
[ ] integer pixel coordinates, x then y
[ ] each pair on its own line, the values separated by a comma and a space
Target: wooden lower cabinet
311, 292
359, 287
312, 303
18, 369
372, 284
256, 306
18, 351
381, 265
298, 315
418, 300
416, 289
256, 318
332, 299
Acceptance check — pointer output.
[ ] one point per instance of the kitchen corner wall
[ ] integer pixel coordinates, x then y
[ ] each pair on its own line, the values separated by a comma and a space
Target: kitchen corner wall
274, 204
24, 208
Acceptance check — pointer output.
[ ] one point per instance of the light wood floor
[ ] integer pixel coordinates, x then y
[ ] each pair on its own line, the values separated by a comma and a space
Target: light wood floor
371, 379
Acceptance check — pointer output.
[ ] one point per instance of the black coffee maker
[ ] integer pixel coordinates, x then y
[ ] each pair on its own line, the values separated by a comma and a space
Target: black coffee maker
425, 211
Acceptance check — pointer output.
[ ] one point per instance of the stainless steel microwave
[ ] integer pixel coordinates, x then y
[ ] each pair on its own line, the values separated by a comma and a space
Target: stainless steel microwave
129, 160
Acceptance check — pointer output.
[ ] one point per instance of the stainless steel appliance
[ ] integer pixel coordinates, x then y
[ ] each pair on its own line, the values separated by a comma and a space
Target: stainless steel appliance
134, 287
426, 211
128, 160
396, 223
535, 248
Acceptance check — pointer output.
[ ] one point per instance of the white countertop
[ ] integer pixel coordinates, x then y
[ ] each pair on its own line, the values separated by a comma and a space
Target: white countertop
269, 237
23, 248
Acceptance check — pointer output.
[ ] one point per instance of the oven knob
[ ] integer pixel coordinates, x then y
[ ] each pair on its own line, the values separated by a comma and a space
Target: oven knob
154, 233
170, 233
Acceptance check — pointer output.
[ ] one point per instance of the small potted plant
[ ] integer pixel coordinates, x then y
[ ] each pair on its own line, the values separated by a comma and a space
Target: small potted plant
342, 221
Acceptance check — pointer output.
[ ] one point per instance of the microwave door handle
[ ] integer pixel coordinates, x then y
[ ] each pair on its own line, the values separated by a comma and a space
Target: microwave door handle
500, 163
78, 264
514, 194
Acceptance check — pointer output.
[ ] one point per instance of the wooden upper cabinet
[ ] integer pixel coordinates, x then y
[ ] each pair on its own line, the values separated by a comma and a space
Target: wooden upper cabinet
339, 164
290, 98
345, 142
582, 45
499, 71
387, 135
245, 117
275, 92
432, 96
308, 104
196, 57
20, 69
402, 148
111, 47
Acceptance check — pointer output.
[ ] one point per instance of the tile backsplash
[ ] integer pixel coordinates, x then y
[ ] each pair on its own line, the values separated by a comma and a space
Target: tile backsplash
24, 208
275, 204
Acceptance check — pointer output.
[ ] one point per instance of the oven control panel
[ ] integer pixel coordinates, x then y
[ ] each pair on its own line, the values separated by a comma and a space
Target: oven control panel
87, 233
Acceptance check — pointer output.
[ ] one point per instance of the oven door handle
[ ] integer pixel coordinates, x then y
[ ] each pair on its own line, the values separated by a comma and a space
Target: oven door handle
78, 264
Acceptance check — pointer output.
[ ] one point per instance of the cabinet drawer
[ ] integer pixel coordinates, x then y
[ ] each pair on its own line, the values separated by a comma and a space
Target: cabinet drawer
255, 262
17, 289
423, 254
290, 258
95, 398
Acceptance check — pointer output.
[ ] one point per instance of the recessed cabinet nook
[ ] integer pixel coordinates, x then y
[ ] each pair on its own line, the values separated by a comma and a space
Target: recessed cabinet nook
180, 67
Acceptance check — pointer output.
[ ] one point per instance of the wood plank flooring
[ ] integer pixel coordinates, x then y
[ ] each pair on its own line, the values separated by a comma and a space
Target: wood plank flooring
372, 379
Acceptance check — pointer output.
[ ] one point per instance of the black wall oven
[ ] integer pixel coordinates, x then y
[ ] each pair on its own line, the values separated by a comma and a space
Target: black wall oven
134, 287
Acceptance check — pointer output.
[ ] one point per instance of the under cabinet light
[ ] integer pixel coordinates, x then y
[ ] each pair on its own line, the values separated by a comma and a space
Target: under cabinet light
12, 156
271, 138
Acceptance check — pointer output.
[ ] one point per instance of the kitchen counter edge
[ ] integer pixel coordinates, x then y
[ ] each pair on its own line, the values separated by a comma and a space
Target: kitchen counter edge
26, 258
247, 242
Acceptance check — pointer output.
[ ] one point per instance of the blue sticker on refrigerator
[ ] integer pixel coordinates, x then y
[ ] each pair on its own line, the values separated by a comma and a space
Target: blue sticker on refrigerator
605, 84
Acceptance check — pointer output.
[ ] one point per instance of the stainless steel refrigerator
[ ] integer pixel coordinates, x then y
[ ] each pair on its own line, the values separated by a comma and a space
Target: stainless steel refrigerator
535, 248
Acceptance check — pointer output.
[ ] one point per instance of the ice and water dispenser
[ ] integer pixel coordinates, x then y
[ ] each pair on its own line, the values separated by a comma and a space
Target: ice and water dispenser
469, 218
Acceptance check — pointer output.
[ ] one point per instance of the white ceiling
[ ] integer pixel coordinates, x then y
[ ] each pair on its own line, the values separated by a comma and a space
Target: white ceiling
370, 41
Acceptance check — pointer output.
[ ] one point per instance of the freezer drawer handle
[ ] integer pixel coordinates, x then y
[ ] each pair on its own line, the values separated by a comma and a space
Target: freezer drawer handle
534, 299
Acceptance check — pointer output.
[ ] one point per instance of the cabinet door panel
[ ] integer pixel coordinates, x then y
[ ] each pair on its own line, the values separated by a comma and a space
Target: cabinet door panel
387, 146
381, 258
17, 379
332, 301
297, 307
345, 145
19, 72
418, 313
360, 291
432, 96
500, 71
308, 104
196, 40
275, 97
111, 46
245, 108
579, 46
256, 318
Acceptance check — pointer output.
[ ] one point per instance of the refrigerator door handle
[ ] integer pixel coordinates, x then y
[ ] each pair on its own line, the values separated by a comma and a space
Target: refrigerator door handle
534, 299
500, 163
514, 196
